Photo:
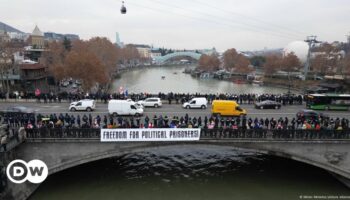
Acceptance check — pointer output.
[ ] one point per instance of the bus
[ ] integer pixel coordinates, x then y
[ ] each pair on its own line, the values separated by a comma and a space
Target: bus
328, 101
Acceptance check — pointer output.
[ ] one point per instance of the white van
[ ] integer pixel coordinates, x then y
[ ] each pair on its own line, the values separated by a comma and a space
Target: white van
198, 102
85, 104
124, 107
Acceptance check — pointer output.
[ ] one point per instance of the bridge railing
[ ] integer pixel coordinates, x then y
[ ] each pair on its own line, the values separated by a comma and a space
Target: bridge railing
219, 133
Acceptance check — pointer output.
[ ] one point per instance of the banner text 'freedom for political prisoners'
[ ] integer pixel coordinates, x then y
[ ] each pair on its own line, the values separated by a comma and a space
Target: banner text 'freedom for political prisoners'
154, 134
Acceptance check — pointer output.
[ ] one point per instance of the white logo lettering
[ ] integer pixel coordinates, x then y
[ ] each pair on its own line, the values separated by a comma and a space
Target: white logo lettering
35, 171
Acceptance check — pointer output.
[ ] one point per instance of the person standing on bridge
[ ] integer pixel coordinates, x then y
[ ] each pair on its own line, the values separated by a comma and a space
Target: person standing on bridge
146, 122
105, 121
90, 119
78, 120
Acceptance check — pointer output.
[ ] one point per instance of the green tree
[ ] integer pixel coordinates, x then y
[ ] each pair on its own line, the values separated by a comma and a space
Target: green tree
257, 61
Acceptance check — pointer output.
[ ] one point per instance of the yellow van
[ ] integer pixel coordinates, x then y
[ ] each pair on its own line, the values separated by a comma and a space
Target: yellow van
227, 108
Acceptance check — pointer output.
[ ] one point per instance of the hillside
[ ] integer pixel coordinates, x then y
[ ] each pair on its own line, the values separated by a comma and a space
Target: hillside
8, 28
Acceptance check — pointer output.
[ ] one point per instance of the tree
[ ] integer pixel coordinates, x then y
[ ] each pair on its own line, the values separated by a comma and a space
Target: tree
106, 52
345, 65
7, 63
319, 64
90, 61
54, 59
67, 44
86, 66
209, 63
272, 64
290, 63
236, 62
257, 61
129, 55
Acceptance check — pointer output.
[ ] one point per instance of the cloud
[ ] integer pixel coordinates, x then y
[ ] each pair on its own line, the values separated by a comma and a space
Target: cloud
245, 25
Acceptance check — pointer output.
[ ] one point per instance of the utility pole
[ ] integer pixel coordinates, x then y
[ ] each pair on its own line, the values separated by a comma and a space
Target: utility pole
311, 40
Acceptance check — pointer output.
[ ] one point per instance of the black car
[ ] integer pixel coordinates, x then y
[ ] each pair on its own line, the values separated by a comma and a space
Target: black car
268, 104
311, 114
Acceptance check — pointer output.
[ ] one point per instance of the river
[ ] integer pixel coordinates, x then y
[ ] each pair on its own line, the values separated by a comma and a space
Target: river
191, 173
150, 80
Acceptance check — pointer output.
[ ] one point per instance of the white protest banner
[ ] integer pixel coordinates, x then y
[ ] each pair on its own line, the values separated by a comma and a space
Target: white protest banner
150, 134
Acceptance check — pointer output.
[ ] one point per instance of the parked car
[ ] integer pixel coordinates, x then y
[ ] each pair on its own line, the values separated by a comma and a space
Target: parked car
268, 104
151, 102
310, 114
124, 107
83, 105
198, 102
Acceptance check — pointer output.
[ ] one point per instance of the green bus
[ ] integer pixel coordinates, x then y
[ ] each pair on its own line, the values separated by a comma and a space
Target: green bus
328, 101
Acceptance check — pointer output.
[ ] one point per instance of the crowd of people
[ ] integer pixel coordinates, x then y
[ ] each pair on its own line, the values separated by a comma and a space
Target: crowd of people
241, 126
210, 122
170, 97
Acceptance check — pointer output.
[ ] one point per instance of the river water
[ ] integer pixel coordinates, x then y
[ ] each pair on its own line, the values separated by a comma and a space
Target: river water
150, 81
191, 173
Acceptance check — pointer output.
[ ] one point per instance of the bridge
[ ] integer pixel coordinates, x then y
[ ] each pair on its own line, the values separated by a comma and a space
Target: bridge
61, 149
162, 59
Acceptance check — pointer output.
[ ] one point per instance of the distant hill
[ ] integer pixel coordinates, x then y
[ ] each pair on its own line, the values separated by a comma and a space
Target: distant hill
8, 28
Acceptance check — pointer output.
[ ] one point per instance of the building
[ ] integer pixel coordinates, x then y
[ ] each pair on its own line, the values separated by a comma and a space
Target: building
4, 36
51, 36
37, 39
33, 76
117, 40
19, 36
144, 50
155, 53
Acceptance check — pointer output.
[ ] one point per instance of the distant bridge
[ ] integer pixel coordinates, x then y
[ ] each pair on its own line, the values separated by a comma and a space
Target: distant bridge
61, 149
162, 59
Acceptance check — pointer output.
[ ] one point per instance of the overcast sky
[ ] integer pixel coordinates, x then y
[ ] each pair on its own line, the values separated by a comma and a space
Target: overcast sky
190, 24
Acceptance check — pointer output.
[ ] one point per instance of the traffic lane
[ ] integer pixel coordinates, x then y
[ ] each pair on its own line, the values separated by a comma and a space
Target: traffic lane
174, 110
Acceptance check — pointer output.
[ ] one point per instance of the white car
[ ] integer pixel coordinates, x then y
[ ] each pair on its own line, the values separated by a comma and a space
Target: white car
199, 102
123, 107
151, 102
85, 104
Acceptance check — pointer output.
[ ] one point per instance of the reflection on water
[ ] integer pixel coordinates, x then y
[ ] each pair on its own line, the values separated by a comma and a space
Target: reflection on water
150, 80
190, 173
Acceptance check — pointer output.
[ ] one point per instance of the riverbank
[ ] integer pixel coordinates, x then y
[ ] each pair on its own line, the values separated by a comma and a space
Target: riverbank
294, 85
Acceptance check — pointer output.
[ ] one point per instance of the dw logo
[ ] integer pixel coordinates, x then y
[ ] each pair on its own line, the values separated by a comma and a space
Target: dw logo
35, 171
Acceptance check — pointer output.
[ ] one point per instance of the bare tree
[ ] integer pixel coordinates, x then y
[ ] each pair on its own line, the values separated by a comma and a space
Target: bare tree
234, 61
272, 64
7, 51
209, 63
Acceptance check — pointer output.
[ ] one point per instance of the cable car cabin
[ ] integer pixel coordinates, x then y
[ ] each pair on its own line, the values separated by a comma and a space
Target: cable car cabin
123, 9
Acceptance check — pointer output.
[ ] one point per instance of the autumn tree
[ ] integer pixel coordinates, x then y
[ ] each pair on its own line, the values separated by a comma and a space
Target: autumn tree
129, 55
272, 64
86, 66
209, 62
290, 62
54, 59
319, 64
105, 51
90, 61
234, 61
